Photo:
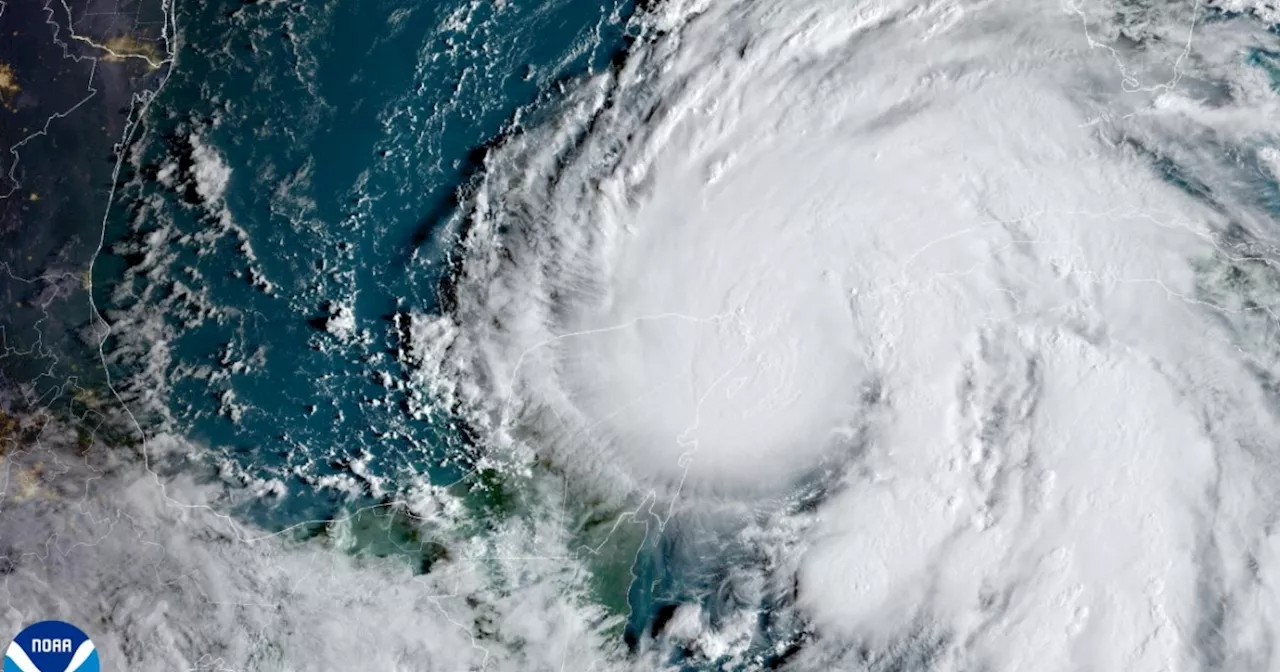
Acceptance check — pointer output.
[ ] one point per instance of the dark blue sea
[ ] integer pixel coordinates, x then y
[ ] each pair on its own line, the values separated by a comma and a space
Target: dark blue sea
347, 129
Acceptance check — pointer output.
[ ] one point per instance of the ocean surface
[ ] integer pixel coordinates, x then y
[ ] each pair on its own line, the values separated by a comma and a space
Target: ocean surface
343, 131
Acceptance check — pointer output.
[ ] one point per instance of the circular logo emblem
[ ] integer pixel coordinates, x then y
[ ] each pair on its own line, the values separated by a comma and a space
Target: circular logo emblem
51, 646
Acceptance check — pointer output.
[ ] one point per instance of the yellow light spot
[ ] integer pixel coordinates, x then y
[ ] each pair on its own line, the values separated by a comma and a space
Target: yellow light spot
8, 85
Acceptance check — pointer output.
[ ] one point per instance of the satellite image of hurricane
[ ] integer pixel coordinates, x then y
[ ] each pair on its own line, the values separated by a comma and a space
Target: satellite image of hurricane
640, 335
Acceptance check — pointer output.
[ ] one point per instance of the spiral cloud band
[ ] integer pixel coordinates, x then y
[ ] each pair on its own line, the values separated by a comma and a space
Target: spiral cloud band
1009, 264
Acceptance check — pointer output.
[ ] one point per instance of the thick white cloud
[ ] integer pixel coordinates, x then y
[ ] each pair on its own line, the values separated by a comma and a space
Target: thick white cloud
983, 252
162, 581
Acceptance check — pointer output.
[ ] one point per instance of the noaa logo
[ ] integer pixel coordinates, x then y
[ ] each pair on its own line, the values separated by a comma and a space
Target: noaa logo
51, 646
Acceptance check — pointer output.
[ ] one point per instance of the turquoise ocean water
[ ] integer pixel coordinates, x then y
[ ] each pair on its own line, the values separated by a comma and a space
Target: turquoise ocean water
347, 128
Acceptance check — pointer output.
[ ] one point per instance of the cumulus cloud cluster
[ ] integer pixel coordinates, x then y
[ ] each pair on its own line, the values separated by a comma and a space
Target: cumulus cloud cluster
162, 580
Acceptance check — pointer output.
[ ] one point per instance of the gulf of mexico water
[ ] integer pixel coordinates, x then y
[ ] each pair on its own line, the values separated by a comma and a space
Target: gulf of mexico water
287, 204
